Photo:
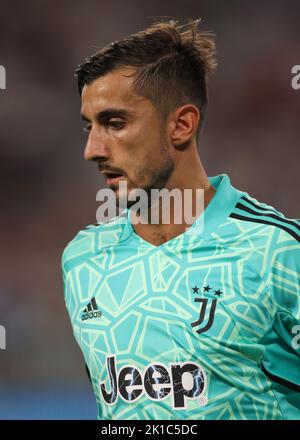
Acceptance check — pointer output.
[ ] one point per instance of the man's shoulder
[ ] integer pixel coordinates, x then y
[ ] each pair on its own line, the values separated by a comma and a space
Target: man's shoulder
268, 238
262, 218
91, 240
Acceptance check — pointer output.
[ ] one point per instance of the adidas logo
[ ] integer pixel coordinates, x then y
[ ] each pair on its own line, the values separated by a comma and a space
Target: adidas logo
91, 311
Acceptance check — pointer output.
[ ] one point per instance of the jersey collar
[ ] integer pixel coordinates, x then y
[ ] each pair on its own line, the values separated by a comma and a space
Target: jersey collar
217, 211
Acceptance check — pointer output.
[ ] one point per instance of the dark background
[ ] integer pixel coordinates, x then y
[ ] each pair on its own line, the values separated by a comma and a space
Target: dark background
48, 191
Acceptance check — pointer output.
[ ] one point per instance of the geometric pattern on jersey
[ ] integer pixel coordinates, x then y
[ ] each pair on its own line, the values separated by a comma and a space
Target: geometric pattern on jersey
199, 327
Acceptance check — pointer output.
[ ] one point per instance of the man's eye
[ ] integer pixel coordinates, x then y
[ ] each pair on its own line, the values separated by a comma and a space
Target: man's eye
87, 128
116, 124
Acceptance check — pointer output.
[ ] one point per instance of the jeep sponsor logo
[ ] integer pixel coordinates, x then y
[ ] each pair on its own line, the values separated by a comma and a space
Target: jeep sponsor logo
182, 380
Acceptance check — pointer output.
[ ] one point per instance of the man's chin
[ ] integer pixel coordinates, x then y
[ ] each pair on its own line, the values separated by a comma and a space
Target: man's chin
122, 194
124, 204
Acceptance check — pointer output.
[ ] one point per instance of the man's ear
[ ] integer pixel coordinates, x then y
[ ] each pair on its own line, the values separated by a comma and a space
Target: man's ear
184, 122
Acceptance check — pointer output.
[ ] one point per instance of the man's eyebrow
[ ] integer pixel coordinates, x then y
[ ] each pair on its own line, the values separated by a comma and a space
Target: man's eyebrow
109, 113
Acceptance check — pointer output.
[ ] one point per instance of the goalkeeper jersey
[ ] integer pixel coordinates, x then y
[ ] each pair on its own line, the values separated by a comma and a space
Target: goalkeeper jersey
205, 326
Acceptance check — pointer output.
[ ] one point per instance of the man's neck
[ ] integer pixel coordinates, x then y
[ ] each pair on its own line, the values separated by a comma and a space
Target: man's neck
160, 232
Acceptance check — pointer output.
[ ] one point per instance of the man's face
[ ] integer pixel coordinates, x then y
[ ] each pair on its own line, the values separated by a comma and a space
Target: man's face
126, 135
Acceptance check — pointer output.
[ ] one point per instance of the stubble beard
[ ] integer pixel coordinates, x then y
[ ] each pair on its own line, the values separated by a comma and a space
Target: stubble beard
157, 179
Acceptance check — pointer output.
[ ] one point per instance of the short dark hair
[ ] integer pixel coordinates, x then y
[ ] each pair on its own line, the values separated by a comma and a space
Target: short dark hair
172, 62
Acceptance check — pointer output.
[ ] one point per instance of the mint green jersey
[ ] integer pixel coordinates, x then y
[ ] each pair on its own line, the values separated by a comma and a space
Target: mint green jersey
204, 327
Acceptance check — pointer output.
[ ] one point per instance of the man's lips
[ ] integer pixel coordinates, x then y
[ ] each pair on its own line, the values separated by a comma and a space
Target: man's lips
115, 179
112, 177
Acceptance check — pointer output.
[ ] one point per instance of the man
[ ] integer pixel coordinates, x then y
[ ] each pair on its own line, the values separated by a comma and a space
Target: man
178, 321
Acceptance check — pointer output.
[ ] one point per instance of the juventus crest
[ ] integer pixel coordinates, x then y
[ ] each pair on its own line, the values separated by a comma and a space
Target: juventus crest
205, 304
207, 310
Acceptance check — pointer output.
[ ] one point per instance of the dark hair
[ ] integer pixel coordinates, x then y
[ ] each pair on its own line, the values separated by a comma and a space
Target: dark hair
172, 62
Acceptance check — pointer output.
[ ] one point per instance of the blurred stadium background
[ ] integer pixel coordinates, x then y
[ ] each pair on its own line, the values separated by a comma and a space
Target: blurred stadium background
48, 192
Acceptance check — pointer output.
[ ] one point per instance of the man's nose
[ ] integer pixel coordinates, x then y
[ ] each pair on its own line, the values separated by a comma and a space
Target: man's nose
96, 147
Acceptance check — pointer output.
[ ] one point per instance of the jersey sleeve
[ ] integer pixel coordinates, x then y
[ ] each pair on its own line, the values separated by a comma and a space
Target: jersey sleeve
281, 359
76, 251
